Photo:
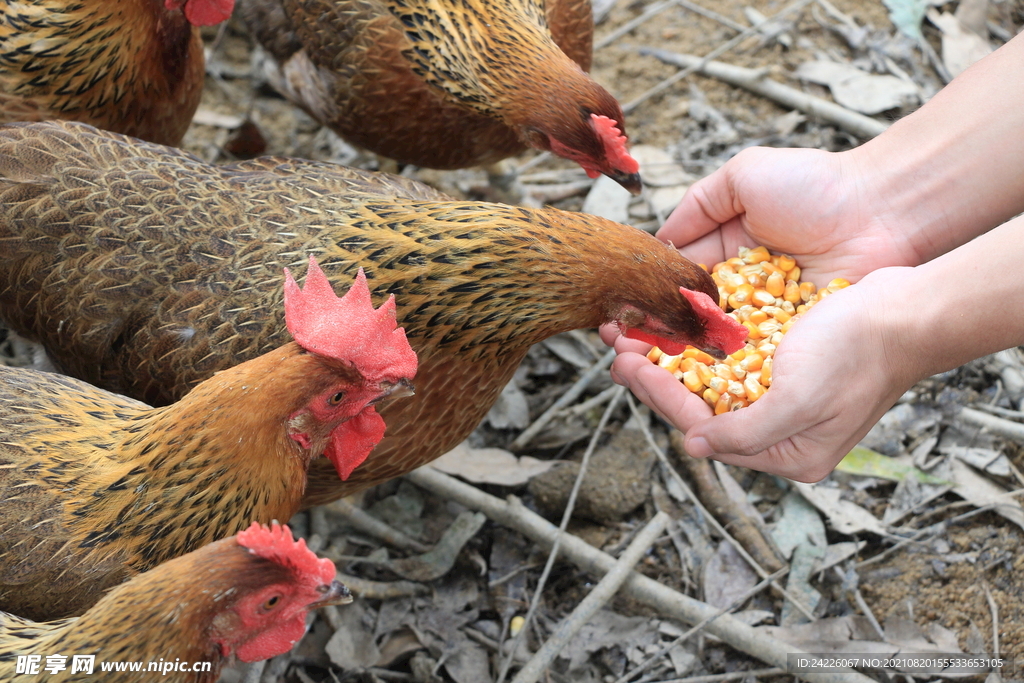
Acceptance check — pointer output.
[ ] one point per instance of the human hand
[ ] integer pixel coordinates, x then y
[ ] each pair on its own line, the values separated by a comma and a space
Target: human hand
836, 372
816, 206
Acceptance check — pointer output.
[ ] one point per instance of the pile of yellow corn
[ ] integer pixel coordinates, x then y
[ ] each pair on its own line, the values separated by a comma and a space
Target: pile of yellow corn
764, 293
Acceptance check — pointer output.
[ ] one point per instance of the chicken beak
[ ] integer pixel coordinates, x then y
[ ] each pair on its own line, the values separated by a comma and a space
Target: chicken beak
717, 354
630, 181
399, 389
337, 594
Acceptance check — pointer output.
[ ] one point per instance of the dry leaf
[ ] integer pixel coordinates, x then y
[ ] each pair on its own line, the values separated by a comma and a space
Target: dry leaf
980, 491
727, 576
961, 46
608, 199
490, 465
844, 516
858, 90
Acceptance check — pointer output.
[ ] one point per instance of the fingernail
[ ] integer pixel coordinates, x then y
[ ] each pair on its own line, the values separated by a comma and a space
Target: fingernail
698, 447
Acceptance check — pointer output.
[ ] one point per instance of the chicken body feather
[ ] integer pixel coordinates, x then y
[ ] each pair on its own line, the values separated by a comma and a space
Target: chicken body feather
445, 84
145, 270
132, 66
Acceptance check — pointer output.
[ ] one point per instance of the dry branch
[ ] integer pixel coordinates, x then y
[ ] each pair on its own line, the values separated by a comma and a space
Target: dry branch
671, 603
596, 599
753, 80
360, 520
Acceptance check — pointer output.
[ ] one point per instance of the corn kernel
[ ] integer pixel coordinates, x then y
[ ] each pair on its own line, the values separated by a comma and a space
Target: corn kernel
837, 284
753, 388
738, 355
705, 374
793, 274
722, 404
758, 255
807, 290
781, 316
752, 362
736, 389
792, 292
711, 397
654, 354
766, 372
732, 282
704, 357
688, 364
670, 363
761, 297
692, 381
768, 328
758, 317
770, 268
678, 374
788, 324
723, 268
788, 306
719, 385
722, 370
776, 284
736, 262
787, 263
752, 331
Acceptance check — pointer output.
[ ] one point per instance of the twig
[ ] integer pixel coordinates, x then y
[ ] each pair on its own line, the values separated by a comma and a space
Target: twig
670, 603
593, 402
727, 512
697, 627
996, 425
861, 603
566, 516
568, 397
735, 675
701, 62
753, 80
382, 590
361, 520
994, 608
651, 11
797, 602
597, 598
711, 14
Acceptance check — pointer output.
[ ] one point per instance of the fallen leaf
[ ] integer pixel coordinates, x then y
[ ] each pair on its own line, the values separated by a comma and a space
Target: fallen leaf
490, 465
798, 524
799, 583
352, 646
961, 46
868, 463
608, 199
727, 576
844, 516
980, 492
511, 410
859, 90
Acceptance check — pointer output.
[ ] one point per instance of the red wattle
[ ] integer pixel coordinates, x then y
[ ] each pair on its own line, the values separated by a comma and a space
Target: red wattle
275, 641
353, 440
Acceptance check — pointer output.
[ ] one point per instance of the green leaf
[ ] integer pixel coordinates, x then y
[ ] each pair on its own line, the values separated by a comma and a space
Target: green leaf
868, 463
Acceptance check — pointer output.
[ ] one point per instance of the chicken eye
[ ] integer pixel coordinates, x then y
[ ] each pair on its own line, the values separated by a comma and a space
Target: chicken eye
336, 399
272, 602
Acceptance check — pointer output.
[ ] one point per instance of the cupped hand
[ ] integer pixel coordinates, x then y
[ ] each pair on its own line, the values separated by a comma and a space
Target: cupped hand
836, 372
819, 207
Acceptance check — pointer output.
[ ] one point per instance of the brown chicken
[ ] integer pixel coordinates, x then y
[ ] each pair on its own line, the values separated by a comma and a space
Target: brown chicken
145, 270
96, 487
448, 84
245, 597
131, 66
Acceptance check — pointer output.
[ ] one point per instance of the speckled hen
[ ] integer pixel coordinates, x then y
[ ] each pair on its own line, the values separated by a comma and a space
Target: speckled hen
244, 597
96, 487
130, 66
448, 84
145, 270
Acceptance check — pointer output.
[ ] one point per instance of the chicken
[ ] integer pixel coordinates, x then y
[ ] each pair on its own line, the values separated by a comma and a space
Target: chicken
144, 269
447, 84
96, 487
131, 66
246, 597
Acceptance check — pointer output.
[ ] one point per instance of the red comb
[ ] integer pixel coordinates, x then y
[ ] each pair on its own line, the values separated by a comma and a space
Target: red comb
276, 544
203, 12
347, 328
614, 144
